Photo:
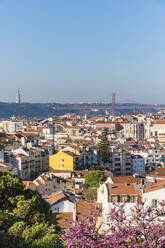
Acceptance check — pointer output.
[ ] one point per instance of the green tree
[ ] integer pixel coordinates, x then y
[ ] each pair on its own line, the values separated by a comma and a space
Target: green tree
17, 229
7, 219
95, 178
41, 235
24, 217
10, 186
100, 167
32, 210
103, 147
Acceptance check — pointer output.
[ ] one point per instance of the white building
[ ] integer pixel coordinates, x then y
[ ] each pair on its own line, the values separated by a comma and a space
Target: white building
153, 157
149, 192
61, 202
29, 162
12, 126
134, 129
120, 163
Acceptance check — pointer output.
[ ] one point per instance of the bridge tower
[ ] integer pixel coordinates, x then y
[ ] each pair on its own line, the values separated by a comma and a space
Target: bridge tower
113, 104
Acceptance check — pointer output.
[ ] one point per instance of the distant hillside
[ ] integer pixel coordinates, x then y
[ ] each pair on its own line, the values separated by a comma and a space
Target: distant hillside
27, 110
44, 110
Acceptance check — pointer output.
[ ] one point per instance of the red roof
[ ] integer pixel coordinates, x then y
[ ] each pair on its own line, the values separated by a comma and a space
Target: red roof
58, 196
159, 122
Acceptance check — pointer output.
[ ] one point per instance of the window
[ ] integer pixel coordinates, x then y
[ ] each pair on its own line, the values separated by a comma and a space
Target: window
114, 198
62, 165
123, 198
58, 159
56, 210
117, 159
117, 164
133, 198
63, 159
58, 165
154, 203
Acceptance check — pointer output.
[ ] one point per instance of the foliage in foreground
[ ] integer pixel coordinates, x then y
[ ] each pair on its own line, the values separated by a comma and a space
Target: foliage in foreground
24, 217
143, 227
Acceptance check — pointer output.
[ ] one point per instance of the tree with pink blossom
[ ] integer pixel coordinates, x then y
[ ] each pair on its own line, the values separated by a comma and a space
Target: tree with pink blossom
144, 226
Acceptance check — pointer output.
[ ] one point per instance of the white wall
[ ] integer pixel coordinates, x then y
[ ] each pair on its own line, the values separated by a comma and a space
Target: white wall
154, 195
63, 206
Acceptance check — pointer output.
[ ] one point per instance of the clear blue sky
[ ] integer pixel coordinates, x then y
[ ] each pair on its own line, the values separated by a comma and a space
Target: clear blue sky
81, 50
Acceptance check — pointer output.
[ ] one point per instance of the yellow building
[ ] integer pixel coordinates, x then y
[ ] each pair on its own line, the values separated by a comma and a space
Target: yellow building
62, 161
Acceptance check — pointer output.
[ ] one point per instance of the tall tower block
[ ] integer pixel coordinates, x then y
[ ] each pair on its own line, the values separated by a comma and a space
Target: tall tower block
18, 97
113, 104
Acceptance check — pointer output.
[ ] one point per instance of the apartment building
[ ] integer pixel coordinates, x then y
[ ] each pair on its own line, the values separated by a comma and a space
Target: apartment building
29, 162
120, 163
49, 183
11, 126
138, 164
62, 161
152, 157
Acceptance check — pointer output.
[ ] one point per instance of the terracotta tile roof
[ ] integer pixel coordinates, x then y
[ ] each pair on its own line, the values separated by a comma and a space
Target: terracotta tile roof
69, 153
79, 173
73, 127
61, 132
160, 172
78, 148
40, 129
77, 190
94, 118
84, 208
159, 122
69, 180
27, 183
106, 122
61, 219
126, 179
10, 137
58, 196
123, 189
155, 186
30, 134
